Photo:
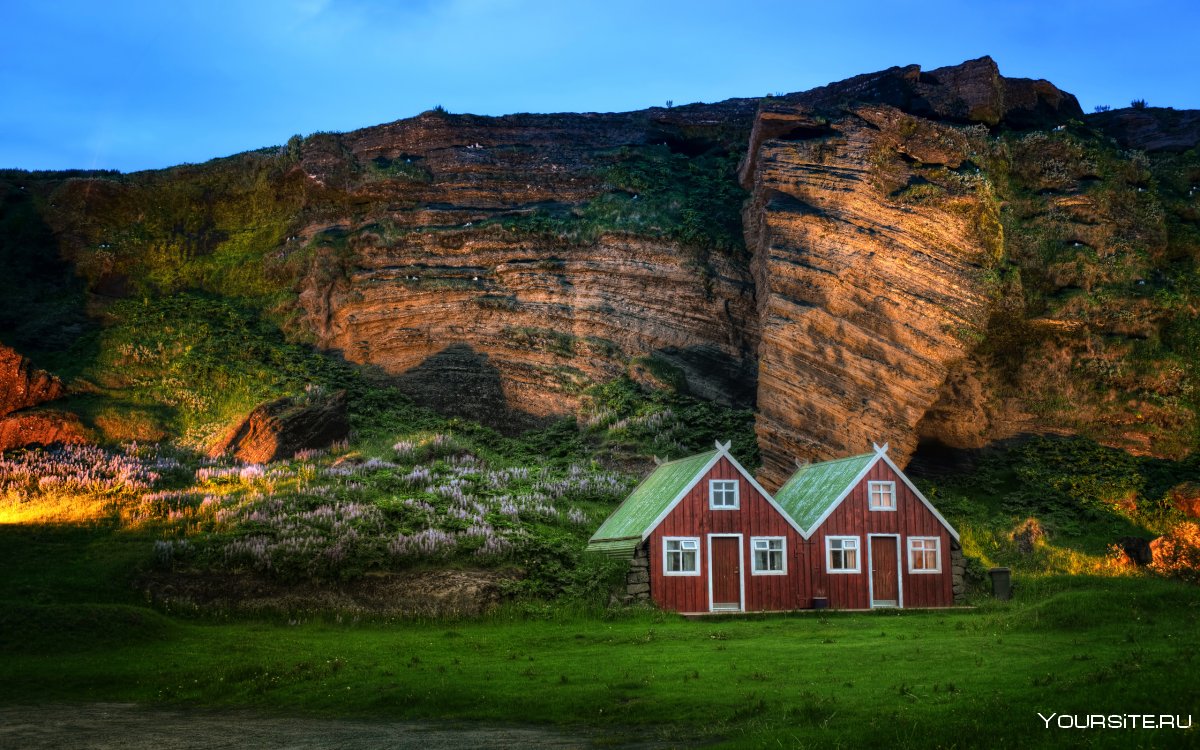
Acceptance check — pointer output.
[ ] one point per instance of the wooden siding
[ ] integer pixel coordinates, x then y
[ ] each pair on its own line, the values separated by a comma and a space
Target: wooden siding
853, 518
755, 517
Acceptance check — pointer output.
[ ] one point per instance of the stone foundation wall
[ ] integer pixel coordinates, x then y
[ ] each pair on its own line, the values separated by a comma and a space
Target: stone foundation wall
637, 580
958, 567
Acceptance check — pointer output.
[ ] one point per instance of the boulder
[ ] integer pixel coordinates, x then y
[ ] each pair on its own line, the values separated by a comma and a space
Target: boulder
972, 91
47, 427
22, 386
278, 429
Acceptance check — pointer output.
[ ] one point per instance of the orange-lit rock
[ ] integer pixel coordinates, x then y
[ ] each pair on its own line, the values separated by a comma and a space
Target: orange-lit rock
22, 386
871, 230
507, 326
864, 301
41, 427
278, 429
1186, 498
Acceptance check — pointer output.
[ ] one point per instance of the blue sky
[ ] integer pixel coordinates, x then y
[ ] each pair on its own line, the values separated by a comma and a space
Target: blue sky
128, 85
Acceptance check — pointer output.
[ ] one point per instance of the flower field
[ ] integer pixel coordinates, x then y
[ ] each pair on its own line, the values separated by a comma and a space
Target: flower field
321, 515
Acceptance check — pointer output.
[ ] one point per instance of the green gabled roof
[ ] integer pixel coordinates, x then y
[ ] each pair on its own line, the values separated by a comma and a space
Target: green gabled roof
814, 488
648, 500
616, 547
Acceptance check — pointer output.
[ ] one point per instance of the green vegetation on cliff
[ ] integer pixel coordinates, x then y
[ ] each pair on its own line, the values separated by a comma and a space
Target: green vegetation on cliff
1098, 306
651, 191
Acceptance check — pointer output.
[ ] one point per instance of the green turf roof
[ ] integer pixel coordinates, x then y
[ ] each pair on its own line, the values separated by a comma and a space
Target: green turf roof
648, 500
813, 488
616, 547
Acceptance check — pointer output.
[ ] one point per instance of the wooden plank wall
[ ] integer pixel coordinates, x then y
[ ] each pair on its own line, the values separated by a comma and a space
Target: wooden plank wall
756, 517
853, 518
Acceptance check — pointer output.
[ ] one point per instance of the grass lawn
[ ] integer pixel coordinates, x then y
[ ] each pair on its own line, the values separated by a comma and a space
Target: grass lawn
73, 631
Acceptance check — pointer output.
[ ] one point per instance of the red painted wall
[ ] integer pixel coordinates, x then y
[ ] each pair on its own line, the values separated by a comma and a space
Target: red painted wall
853, 518
755, 517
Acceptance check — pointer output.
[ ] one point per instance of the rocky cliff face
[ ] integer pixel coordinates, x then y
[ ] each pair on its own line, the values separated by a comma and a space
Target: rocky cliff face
908, 256
872, 230
864, 298
481, 274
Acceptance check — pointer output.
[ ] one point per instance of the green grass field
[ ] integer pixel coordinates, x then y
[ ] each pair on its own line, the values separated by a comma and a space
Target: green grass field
72, 630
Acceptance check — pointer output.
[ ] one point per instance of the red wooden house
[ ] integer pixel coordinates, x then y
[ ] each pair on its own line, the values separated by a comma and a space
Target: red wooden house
704, 536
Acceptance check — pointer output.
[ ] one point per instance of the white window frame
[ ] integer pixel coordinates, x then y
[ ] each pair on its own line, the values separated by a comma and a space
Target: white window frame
666, 555
858, 555
754, 569
937, 554
872, 486
737, 494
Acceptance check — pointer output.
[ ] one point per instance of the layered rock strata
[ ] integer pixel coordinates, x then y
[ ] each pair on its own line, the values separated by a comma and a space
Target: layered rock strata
863, 301
945, 255
871, 230
453, 286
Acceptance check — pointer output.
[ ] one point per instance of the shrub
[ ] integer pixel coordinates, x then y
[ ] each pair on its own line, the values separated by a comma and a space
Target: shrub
1177, 553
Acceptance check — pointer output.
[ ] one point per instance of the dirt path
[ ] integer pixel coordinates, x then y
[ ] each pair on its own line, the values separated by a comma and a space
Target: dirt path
132, 727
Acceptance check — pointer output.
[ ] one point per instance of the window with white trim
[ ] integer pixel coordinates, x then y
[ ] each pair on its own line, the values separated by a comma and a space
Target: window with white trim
723, 494
842, 554
769, 555
924, 554
681, 556
881, 495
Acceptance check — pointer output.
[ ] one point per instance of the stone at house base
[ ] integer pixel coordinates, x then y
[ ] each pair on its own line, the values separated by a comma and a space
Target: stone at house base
958, 569
637, 579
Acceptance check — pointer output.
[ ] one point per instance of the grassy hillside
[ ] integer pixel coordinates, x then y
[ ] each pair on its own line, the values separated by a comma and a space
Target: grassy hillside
1098, 290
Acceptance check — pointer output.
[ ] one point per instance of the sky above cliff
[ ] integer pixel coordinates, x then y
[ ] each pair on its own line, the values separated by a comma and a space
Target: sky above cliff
134, 85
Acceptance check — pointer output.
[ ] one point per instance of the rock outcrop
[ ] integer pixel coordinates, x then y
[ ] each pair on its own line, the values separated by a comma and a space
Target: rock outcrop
22, 386
480, 278
41, 428
865, 300
278, 429
1185, 497
1151, 128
